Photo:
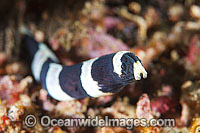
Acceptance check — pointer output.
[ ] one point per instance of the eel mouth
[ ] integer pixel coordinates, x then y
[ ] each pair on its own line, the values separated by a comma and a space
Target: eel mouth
132, 68
139, 71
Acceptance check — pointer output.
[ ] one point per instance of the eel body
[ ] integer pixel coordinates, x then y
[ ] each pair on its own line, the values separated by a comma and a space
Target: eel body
97, 77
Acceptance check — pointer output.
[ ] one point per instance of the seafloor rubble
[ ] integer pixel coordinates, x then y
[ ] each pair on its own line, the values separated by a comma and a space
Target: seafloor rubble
165, 35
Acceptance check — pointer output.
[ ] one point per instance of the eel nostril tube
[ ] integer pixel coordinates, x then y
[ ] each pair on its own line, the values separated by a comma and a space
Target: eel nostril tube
141, 75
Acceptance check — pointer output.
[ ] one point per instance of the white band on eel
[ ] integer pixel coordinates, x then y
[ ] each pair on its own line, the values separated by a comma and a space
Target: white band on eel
117, 63
89, 85
40, 58
53, 84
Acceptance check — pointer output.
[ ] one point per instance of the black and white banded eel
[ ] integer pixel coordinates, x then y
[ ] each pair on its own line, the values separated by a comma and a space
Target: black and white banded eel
92, 78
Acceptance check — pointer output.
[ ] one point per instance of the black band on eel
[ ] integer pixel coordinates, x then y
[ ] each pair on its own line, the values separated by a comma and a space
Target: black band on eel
97, 77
